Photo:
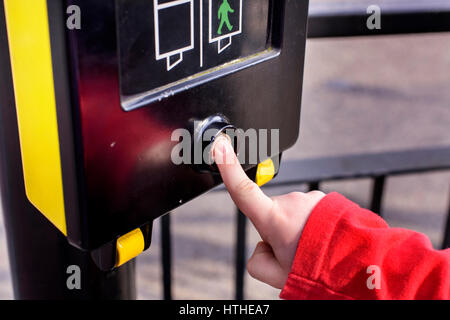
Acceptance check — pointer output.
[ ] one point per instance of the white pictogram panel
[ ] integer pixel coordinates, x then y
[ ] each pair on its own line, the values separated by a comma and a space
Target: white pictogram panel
162, 51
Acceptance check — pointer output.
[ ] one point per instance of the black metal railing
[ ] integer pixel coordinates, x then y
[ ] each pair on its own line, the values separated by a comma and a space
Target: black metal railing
344, 19
347, 18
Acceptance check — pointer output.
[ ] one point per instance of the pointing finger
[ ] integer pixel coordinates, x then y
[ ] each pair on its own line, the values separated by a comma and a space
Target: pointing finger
245, 193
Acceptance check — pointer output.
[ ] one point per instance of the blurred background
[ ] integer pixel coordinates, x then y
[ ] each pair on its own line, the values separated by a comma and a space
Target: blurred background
361, 95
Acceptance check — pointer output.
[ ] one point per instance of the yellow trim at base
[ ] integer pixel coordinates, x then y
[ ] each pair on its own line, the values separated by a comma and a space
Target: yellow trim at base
31, 64
129, 246
265, 172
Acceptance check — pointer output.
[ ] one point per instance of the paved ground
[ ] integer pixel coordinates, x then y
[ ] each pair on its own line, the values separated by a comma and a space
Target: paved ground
360, 95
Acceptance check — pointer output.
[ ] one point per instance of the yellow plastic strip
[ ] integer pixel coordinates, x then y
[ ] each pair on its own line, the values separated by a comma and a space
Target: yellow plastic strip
129, 246
31, 63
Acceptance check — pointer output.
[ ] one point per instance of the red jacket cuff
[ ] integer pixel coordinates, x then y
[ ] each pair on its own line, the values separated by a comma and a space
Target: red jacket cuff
303, 280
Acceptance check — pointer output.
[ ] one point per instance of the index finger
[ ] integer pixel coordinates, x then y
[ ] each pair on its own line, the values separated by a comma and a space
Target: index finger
250, 199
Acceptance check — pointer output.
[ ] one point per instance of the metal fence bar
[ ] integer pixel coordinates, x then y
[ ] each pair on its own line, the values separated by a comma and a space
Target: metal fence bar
314, 186
446, 241
240, 258
361, 166
166, 252
377, 194
349, 18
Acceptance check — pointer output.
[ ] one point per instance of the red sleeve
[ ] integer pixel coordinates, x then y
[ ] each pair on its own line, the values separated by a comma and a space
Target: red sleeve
346, 252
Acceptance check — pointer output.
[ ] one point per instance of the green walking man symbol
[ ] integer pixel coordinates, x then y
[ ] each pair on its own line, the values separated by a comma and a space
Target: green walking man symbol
224, 10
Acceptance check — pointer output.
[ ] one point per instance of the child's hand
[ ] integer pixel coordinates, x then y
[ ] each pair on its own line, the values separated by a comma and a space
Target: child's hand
279, 220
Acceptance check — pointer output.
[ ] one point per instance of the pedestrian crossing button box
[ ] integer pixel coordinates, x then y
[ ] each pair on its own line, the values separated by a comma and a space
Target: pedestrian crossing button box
97, 130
